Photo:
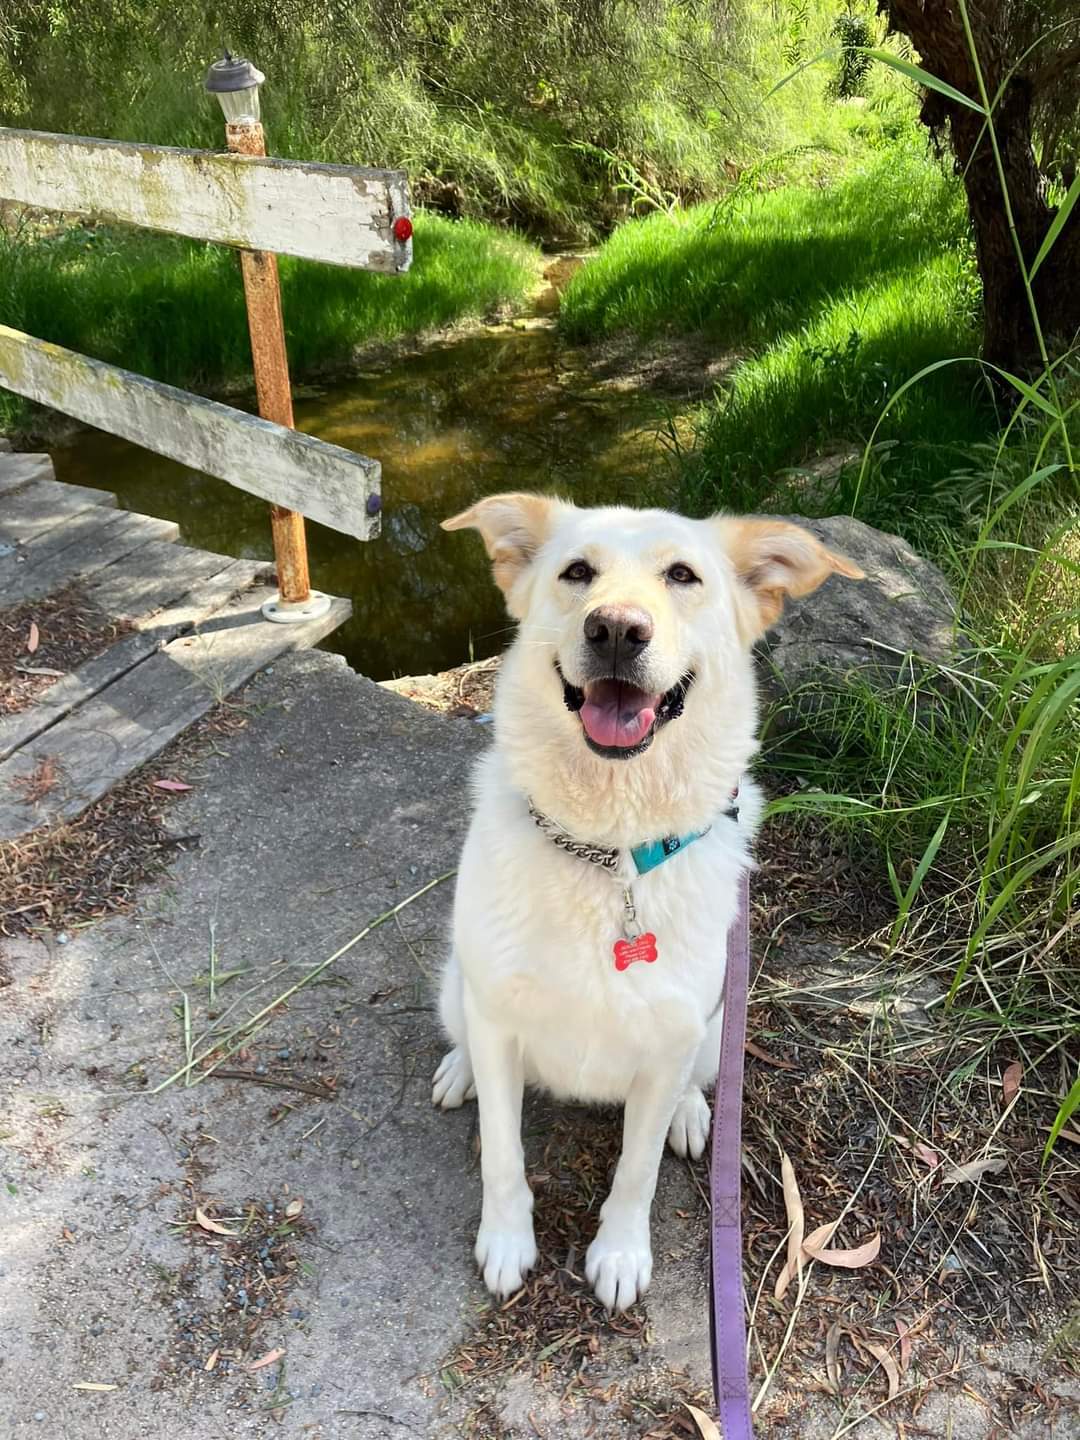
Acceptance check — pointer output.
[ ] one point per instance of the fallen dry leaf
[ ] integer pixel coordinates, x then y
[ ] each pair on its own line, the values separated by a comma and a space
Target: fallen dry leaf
864, 1254
796, 1227
1010, 1082
269, 1358
972, 1171
171, 785
905, 1344
33, 639
294, 1207
819, 1238
929, 1157
206, 1223
707, 1428
212, 1359
1066, 1134
759, 1054
92, 1385
832, 1356
887, 1363
814, 1248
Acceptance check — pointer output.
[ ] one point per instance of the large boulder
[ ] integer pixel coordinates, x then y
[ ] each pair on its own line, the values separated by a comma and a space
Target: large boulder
869, 628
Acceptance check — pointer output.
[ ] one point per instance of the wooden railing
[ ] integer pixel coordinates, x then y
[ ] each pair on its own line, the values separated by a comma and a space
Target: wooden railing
339, 214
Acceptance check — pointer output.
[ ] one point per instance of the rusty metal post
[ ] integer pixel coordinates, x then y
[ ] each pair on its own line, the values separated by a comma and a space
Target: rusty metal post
262, 293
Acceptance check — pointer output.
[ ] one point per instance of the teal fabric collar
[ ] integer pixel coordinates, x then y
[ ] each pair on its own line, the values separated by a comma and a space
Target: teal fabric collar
654, 852
646, 856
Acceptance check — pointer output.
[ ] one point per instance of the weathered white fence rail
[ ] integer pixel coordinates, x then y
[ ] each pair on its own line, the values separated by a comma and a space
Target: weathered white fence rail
341, 214
324, 482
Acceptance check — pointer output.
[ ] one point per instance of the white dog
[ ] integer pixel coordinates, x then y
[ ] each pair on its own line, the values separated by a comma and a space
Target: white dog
599, 876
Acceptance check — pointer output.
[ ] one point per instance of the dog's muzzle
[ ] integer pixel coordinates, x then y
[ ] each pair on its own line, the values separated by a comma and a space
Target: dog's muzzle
618, 719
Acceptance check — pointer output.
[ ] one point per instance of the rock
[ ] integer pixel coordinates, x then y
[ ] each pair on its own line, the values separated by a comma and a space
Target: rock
903, 607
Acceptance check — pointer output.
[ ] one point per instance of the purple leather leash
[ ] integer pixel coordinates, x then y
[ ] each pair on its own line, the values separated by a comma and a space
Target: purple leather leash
727, 1315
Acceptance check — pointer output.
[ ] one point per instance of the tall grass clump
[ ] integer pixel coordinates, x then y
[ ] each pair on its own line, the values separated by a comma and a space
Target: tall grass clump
173, 309
965, 778
968, 776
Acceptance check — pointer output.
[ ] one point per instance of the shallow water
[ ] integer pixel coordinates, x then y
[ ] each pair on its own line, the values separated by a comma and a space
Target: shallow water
506, 408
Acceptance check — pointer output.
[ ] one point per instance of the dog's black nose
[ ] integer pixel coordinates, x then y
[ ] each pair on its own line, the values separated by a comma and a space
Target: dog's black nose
618, 632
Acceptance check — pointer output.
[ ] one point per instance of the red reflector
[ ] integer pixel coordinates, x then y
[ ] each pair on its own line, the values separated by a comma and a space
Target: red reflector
403, 228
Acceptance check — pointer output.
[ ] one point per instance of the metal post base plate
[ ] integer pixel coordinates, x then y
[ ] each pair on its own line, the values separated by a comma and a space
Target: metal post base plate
313, 608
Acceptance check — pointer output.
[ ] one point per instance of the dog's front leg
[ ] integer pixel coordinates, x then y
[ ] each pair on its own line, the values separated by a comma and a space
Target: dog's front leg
505, 1247
619, 1261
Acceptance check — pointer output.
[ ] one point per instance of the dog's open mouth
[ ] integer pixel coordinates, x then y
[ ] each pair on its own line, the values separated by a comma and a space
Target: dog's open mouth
617, 716
619, 719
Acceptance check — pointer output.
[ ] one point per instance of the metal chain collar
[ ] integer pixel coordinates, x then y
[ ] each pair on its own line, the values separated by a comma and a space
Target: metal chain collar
604, 856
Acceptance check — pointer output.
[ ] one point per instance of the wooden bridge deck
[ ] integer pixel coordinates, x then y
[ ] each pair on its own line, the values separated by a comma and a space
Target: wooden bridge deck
192, 632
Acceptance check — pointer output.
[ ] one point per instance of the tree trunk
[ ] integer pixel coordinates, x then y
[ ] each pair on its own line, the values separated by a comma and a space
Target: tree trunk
1009, 338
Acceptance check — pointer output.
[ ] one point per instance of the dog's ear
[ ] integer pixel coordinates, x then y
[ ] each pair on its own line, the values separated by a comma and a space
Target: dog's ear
513, 528
775, 559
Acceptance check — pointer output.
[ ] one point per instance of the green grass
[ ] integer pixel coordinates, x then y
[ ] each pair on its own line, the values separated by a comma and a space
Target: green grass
761, 263
964, 781
173, 309
832, 297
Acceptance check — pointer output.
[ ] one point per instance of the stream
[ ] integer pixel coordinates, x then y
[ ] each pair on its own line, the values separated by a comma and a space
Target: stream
504, 408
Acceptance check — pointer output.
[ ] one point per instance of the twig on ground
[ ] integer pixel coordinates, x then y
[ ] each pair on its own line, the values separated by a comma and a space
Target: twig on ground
262, 1018
322, 1092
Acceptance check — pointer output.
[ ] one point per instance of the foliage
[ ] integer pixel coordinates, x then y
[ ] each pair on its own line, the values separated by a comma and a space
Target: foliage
531, 111
855, 37
975, 767
480, 102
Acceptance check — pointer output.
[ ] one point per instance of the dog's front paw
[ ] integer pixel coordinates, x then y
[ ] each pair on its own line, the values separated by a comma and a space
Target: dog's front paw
505, 1254
689, 1130
452, 1083
618, 1263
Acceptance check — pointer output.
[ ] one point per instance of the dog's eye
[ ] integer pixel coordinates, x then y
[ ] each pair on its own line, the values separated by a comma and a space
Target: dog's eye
579, 573
680, 574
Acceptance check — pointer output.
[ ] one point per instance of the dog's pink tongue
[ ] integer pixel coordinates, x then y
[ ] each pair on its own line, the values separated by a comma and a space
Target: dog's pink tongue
617, 714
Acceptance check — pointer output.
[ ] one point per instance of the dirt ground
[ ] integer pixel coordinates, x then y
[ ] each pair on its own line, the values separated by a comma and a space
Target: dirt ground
283, 1245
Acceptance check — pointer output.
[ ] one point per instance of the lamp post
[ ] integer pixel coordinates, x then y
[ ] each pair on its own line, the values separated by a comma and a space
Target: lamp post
236, 83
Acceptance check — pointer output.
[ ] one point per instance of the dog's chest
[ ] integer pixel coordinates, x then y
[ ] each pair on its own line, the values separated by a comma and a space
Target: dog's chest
541, 955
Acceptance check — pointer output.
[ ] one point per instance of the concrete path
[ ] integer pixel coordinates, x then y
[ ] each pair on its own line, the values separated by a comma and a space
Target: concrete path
337, 801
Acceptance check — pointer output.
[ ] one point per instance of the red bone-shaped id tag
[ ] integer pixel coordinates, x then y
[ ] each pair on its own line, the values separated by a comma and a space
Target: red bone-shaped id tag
633, 946
641, 947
